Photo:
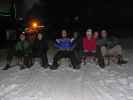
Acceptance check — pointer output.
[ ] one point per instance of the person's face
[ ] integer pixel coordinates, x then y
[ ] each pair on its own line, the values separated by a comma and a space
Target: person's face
22, 37
64, 33
89, 36
40, 36
103, 34
89, 33
96, 35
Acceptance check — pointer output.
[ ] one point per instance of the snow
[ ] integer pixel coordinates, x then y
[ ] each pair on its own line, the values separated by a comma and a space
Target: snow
89, 83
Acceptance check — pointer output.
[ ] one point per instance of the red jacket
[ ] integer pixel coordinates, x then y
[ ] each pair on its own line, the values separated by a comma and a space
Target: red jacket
89, 44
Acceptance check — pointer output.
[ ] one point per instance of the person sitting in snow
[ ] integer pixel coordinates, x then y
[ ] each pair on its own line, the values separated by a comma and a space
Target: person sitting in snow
100, 59
110, 46
65, 46
89, 45
90, 48
40, 49
23, 52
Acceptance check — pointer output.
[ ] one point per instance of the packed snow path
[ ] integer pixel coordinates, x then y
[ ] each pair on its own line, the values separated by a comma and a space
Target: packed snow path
90, 83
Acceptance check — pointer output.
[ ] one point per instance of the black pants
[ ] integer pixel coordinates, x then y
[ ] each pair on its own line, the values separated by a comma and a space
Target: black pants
66, 54
100, 57
10, 54
42, 56
44, 59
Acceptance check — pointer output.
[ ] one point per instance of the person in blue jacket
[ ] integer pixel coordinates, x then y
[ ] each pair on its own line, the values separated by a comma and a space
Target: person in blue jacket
66, 50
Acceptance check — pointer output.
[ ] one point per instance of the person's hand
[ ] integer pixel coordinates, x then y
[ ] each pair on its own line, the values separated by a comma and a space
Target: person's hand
94, 51
57, 40
72, 39
85, 50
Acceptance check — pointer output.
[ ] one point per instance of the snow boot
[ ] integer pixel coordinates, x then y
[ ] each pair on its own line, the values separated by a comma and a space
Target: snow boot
54, 67
45, 66
6, 67
121, 61
22, 67
101, 63
76, 67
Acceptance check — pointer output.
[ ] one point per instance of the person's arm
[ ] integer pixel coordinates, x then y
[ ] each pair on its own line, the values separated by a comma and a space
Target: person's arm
112, 41
72, 40
84, 45
57, 44
57, 40
46, 46
116, 40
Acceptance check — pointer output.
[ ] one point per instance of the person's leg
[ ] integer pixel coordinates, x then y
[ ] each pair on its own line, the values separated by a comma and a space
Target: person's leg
100, 53
75, 61
84, 56
9, 58
23, 60
28, 60
44, 60
104, 51
57, 57
116, 52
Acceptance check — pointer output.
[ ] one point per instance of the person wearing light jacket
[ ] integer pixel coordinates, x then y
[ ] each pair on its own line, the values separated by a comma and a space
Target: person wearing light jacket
111, 46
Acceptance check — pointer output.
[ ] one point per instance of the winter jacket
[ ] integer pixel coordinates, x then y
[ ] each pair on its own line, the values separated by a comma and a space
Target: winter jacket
89, 44
78, 44
24, 47
40, 46
64, 43
109, 42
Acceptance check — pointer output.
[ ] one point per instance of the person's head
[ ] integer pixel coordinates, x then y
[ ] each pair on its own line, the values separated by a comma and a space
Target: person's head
22, 37
96, 34
89, 33
39, 36
64, 33
104, 34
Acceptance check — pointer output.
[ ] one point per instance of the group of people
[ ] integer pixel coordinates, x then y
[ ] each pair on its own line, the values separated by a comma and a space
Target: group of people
96, 46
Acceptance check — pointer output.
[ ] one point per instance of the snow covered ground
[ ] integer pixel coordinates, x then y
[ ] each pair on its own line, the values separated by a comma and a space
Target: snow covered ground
90, 83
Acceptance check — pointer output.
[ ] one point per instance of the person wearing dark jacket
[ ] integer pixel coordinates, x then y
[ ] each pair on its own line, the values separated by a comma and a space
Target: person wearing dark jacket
65, 46
40, 49
23, 52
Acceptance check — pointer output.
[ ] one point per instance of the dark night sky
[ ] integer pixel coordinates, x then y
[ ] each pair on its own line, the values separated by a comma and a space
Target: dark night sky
69, 7
99, 10
107, 12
